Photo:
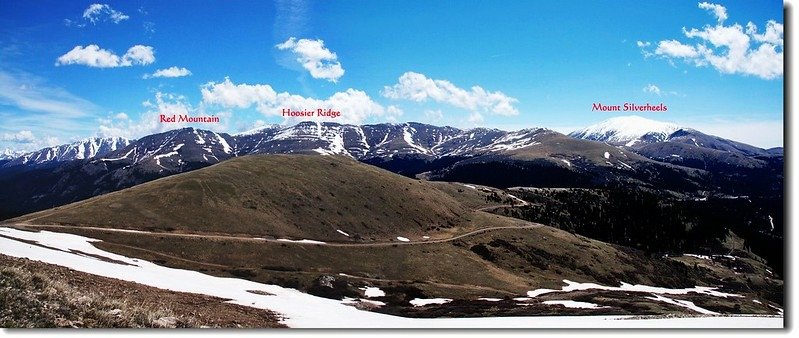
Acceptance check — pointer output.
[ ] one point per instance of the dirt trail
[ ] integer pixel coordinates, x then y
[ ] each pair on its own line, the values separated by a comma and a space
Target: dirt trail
254, 239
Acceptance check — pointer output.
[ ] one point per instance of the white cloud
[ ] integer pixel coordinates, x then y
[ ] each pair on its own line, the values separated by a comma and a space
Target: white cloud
355, 105
121, 116
173, 71
393, 113
149, 122
228, 94
650, 88
138, 54
718, 10
674, 48
643, 43
23, 136
31, 94
314, 57
728, 49
475, 118
433, 116
773, 34
30, 104
25, 140
102, 12
417, 87
94, 56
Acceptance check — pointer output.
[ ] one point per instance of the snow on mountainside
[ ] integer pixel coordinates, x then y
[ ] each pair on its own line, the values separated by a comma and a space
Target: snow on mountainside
8, 154
627, 130
378, 140
667, 142
174, 151
81, 150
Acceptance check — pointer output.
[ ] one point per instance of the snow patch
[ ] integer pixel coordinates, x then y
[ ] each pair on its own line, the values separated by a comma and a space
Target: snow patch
343, 233
536, 293
408, 137
428, 301
682, 303
573, 304
607, 155
307, 241
626, 130
576, 286
697, 256
370, 291
225, 146
302, 310
403, 239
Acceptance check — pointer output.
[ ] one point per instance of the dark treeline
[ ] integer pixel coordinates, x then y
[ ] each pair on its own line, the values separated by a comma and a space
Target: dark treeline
658, 224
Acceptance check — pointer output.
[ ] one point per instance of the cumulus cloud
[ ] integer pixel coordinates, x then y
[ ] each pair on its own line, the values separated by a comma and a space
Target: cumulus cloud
25, 140
94, 56
433, 116
419, 88
23, 136
103, 12
718, 10
673, 48
355, 105
393, 113
149, 122
729, 49
475, 118
173, 71
314, 57
643, 43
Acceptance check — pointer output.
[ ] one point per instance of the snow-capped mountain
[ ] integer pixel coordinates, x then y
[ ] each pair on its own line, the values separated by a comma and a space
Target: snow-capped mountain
172, 151
668, 142
81, 150
627, 131
380, 140
8, 154
527, 157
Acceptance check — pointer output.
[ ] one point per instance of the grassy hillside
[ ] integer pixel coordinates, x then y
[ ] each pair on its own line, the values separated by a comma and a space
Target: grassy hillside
39, 295
192, 216
293, 196
503, 264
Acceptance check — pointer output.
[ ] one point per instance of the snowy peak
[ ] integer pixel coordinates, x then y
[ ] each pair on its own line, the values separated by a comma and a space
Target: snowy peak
85, 149
8, 154
349, 140
627, 131
174, 150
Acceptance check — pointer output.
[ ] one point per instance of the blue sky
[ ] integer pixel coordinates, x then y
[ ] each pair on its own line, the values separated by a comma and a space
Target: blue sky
75, 69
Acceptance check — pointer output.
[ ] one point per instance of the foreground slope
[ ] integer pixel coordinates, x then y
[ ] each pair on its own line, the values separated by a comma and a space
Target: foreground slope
292, 196
372, 228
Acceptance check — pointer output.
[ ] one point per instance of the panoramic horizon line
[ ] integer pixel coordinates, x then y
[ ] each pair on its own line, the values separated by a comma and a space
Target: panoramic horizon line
244, 133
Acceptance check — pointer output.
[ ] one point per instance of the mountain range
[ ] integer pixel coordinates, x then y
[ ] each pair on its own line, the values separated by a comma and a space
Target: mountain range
481, 216
624, 150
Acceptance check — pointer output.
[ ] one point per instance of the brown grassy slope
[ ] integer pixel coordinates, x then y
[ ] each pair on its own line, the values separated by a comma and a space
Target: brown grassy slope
39, 295
510, 262
294, 196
